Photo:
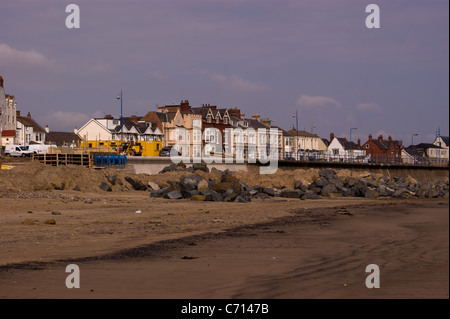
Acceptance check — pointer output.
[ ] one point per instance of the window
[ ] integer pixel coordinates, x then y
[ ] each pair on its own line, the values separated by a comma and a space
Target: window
208, 118
225, 120
197, 123
335, 151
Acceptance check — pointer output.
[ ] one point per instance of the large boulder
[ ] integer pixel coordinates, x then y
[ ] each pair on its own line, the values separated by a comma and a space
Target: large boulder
136, 184
291, 193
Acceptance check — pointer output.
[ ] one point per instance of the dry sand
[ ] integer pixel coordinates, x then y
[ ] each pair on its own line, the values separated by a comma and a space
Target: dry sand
129, 245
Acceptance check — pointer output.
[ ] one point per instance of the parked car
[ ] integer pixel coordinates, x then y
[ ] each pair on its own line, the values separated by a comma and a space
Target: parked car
165, 151
18, 151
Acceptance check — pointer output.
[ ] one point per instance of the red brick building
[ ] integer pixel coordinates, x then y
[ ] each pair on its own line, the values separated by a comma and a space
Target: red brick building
384, 151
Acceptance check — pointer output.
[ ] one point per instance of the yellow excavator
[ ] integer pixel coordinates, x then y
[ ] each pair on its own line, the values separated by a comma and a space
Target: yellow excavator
131, 148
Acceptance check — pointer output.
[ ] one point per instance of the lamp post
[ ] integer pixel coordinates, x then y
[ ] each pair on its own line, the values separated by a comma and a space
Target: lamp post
296, 128
412, 148
119, 97
312, 139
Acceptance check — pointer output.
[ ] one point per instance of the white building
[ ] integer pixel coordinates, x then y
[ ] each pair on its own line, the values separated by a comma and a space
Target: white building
28, 131
341, 150
110, 129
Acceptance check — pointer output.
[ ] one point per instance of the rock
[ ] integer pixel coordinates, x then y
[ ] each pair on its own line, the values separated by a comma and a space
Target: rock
311, 195
61, 187
269, 191
77, 188
327, 173
50, 222
28, 222
350, 181
112, 179
422, 192
240, 199
136, 184
401, 193
153, 186
261, 196
320, 182
160, 192
176, 194
212, 196
221, 187
328, 190
105, 187
200, 166
403, 183
199, 197
56, 213
230, 195
190, 182
371, 194
411, 180
290, 193
202, 185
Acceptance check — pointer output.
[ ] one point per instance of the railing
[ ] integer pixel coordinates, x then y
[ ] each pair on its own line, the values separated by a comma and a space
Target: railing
320, 157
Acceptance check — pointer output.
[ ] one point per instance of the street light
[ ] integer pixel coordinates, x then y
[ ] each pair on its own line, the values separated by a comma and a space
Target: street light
412, 148
296, 128
119, 97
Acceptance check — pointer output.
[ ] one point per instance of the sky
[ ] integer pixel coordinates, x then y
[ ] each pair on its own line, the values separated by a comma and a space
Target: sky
271, 57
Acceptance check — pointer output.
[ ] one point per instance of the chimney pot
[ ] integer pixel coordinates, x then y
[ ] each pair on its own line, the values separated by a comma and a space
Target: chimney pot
370, 136
47, 130
331, 137
380, 138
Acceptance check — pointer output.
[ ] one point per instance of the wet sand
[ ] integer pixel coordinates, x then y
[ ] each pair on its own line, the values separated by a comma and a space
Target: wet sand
306, 250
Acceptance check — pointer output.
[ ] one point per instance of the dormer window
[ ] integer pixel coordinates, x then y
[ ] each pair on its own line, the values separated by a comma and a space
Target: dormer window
225, 120
208, 118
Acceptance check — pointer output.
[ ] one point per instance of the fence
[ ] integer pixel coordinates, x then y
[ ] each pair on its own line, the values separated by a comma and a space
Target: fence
320, 157
89, 160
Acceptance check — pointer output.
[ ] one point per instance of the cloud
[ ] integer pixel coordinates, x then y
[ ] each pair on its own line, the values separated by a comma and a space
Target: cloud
14, 58
237, 83
370, 107
66, 121
317, 102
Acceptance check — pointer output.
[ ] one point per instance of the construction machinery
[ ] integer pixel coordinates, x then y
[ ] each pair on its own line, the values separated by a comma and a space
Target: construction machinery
129, 148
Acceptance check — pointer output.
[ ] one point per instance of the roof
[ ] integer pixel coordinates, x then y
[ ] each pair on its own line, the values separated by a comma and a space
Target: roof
28, 121
256, 124
293, 132
348, 145
445, 139
385, 144
9, 133
285, 133
61, 138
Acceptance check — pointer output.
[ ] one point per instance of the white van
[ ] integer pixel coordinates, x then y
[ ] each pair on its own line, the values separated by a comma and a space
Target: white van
17, 150
39, 148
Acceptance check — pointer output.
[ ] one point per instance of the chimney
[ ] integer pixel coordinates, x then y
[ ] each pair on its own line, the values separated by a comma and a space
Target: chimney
390, 138
370, 136
242, 116
1, 81
256, 117
359, 142
267, 122
47, 130
17, 113
184, 106
380, 138
331, 137
134, 119
29, 114
108, 117
75, 130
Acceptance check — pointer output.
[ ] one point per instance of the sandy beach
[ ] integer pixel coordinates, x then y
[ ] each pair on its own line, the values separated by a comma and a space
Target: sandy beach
132, 246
